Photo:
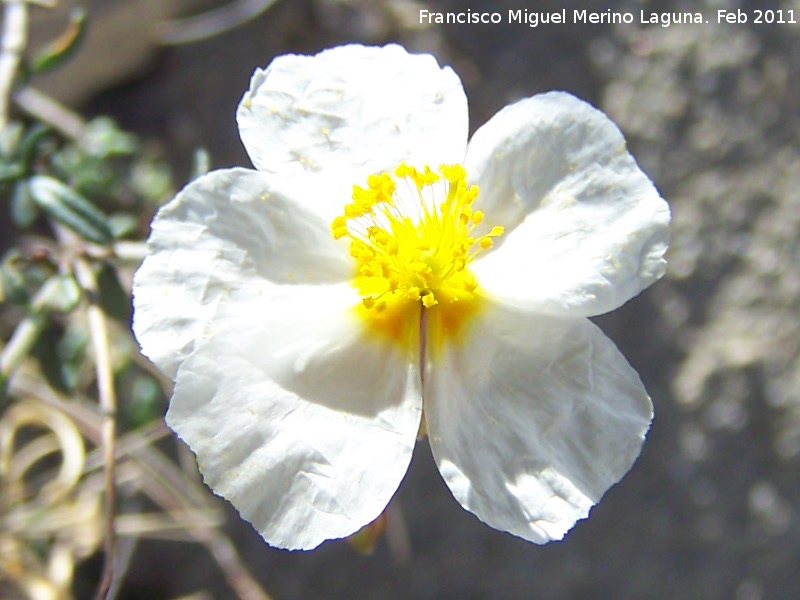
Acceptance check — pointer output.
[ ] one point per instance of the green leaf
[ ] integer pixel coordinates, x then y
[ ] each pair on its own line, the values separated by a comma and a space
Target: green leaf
30, 143
57, 52
70, 208
113, 298
152, 179
71, 353
145, 403
122, 224
12, 282
59, 293
23, 208
9, 171
45, 349
104, 138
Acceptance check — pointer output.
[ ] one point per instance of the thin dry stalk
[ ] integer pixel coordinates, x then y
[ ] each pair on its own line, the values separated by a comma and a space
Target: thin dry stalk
159, 478
108, 406
13, 42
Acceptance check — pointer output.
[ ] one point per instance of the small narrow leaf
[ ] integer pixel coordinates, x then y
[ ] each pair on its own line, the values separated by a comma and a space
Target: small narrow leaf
30, 143
60, 293
70, 208
12, 283
23, 208
122, 224
9, 171
58, 51
114, 300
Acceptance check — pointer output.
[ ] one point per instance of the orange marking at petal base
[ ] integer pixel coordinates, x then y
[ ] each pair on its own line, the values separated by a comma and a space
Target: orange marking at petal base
398, 322
413, 235
447, 324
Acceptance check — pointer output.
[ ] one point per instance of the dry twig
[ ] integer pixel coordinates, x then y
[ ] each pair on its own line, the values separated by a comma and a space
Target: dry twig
108, 407
13, 42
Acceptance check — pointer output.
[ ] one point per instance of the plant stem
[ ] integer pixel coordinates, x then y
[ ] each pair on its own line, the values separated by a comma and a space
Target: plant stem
44, 108
12, 44
108, 406
20, 344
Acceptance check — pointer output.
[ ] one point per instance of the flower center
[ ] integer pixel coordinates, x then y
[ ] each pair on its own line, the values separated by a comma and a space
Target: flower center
413, 237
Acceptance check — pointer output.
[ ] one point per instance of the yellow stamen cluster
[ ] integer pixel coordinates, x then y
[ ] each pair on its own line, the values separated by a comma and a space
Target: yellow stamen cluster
412, 237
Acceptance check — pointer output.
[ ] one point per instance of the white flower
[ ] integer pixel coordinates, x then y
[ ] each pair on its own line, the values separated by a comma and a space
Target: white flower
307, 322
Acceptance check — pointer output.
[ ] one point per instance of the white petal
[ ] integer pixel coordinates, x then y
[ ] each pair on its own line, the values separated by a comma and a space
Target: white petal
228, 230
302, 420
586, 230
531, 419
351, 111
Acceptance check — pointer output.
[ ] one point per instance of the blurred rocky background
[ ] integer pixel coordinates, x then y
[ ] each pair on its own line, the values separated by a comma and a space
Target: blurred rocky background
712, 114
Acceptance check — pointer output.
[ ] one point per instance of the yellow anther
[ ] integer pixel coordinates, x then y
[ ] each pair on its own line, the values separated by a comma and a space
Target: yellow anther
412, 243
453, 173
339, 227
429, 176
429, 300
